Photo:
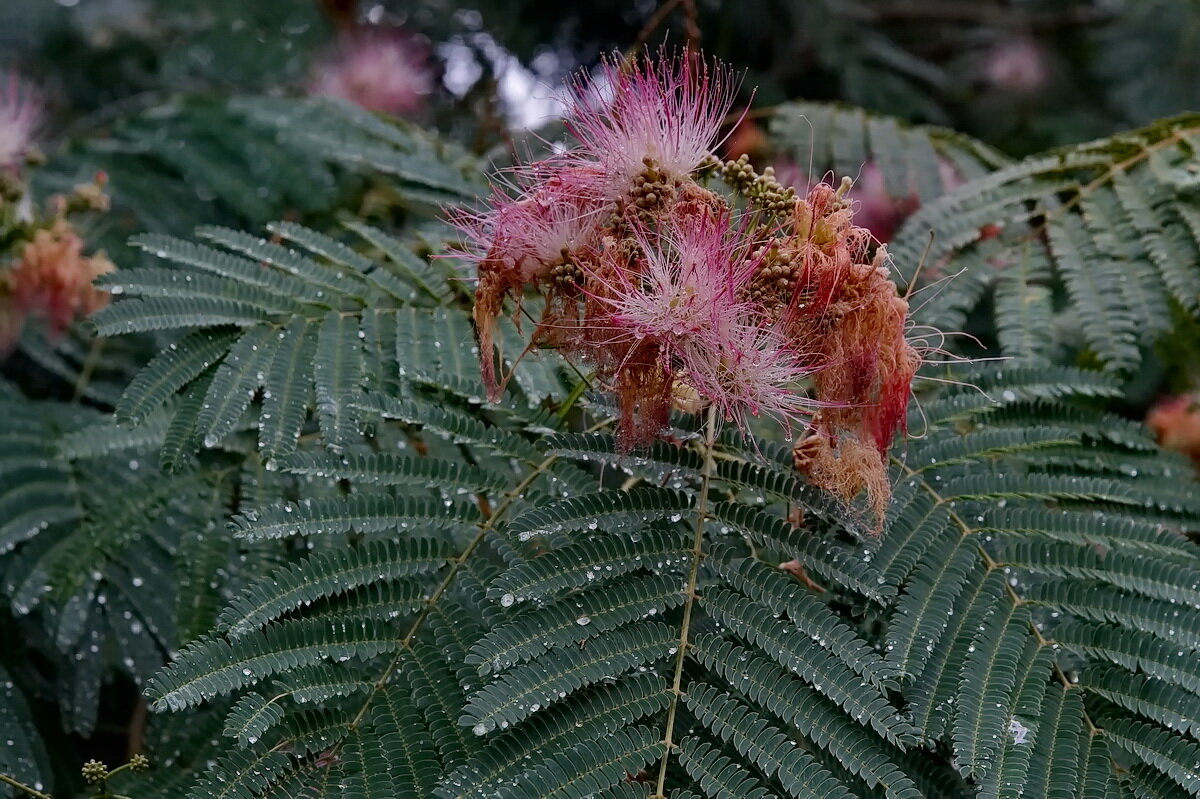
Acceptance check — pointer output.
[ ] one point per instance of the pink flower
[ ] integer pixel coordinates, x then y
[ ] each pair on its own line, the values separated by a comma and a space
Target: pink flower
381, 69
520, 240
685, 293
20, 115
525, 235
684, 285
1016, 64
752, 371
665, 111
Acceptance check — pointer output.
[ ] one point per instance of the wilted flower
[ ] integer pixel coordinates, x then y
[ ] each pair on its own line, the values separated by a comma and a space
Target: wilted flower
20, 115
1176, 422
876, 207
53, 279
381, 69
828, 291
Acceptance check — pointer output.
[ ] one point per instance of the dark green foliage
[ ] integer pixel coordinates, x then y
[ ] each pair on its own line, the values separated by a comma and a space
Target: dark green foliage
564, 637
822, 138
353, 577
1086, 251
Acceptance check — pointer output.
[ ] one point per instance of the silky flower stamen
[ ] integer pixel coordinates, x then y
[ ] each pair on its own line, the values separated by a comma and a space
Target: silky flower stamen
754, 373
665, 111
686, 280
20, 115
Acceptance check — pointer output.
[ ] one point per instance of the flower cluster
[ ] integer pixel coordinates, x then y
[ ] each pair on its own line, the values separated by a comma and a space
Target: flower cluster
755, 303
381, 69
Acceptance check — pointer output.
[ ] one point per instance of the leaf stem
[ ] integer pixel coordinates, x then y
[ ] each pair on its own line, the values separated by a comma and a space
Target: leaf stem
20, 786
991, 565
485, 527
572, 398
89, 366
690, 601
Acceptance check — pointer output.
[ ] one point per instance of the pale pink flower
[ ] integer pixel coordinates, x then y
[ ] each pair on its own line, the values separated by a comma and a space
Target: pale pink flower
751, 371
381, 69
525, 235
1016, 64
687, 282
667, 110
20, 115
519, 240
685, 294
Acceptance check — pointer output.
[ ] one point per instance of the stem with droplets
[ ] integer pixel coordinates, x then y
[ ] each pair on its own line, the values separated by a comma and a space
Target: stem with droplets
20, 786
690, 599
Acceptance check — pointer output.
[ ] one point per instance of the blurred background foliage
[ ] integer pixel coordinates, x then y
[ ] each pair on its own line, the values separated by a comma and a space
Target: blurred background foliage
1021, 75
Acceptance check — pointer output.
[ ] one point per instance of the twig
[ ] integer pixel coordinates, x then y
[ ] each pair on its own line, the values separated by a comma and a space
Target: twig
89, 366
20, 786
697, 553
651, 25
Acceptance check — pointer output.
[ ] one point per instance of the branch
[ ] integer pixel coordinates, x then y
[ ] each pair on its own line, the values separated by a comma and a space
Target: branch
20, 786
690, 599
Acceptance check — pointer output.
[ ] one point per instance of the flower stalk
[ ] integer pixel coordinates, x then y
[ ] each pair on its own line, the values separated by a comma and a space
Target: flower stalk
689, 599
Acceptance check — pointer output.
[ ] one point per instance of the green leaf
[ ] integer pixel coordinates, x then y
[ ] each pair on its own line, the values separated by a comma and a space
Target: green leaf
590, 766
337, 377
616, 511
587, 562
287, 391
325, 574
212, 666
363, 513
761, 742
517, 694
171, 370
